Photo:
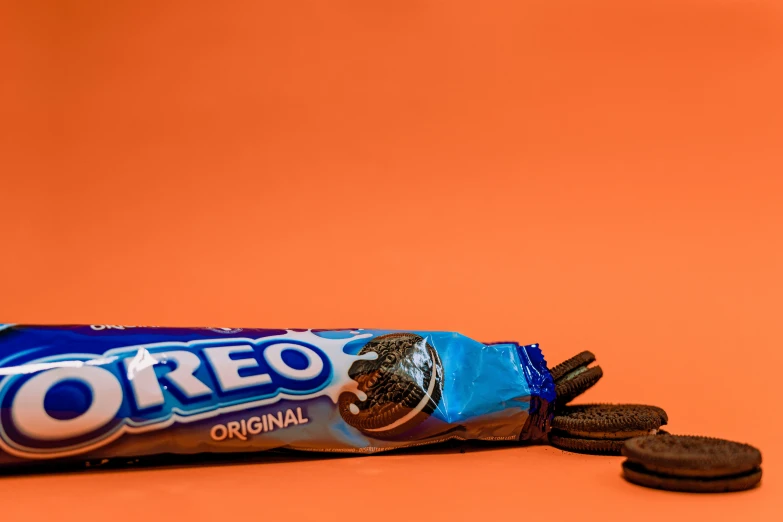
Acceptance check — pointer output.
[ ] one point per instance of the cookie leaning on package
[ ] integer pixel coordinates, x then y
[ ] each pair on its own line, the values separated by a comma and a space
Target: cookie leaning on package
94, 392
655, 458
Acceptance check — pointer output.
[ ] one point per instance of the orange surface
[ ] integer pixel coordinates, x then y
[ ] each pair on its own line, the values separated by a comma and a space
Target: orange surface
601, 175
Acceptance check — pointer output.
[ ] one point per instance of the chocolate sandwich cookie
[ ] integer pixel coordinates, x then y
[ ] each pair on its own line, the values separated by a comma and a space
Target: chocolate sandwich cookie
575, 376
403, 386
655, 409
693, 464
603, 428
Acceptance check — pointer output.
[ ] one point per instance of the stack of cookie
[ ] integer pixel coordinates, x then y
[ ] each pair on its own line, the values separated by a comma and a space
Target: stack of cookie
595, 428
654, 457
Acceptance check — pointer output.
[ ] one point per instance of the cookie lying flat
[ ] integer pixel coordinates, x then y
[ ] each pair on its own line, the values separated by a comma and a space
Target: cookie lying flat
655, 409
603, 428
689, 463
575, 376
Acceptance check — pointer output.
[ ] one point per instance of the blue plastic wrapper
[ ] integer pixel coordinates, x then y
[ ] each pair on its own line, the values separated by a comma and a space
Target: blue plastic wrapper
106, 391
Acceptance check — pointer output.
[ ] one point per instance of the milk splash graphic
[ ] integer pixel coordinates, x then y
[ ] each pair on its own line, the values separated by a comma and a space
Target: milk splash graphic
142, 357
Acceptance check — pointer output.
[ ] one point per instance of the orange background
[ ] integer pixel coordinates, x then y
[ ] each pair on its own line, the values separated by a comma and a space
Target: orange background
587, 175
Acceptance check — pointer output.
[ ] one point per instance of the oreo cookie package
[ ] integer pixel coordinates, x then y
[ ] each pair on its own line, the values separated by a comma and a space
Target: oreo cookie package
106, 391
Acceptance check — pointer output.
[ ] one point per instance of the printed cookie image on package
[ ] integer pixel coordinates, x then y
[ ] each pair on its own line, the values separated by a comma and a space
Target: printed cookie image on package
107, 391
398, 389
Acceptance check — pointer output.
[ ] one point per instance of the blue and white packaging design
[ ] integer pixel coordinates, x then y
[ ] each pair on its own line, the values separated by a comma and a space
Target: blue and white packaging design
106, 391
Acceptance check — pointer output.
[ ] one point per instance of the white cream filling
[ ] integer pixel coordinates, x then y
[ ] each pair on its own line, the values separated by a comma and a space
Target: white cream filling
610, 435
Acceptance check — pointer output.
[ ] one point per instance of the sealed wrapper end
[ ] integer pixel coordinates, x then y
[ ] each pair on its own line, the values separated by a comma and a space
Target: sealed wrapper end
106, 391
